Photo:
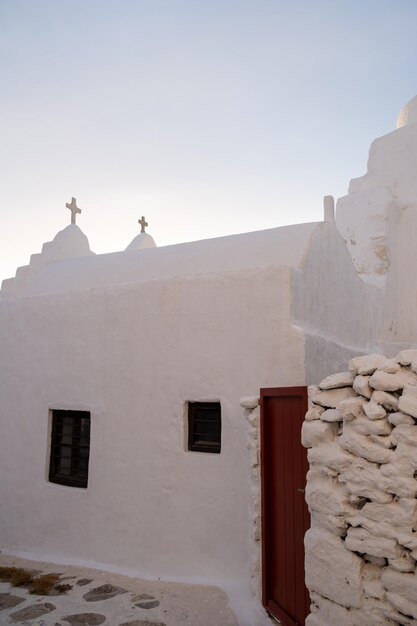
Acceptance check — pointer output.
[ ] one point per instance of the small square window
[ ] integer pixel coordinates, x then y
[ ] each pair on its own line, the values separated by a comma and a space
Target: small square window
204, 426
70, 448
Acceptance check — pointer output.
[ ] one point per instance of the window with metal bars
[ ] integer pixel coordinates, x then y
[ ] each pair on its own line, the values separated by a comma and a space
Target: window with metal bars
70, 448
204, 426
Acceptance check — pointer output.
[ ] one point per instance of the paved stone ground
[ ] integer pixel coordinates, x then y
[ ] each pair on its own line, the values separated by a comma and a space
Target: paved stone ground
111, 599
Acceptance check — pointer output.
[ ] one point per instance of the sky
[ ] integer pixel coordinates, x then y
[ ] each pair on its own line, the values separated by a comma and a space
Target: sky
209, 117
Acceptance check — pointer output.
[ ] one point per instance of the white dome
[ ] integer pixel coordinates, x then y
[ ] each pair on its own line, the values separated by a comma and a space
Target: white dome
141, 242
408, 114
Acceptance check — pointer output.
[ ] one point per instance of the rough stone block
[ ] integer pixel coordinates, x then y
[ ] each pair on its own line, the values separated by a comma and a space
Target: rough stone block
404, 563
387, 400
385, 441
339, 577
365, 426
366, 364
400, 418
331, 456
405, 433
328, 613
315, 432
362, 446
332, 398
333, 524
361, 540
361, 479
352, 408
383, 381
249, 402
405, 357
405, 585
404, 606
374, 411
391, 366
400, 513
314, 412
335, 381
361, 386
326, 496
331, 415
408, 401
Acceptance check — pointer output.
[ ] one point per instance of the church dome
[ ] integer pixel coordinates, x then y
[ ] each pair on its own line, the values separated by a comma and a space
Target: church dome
141, 242
408, 114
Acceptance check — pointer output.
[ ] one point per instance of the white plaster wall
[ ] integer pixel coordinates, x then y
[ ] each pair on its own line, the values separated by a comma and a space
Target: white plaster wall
339, 315
134, 355
378, 219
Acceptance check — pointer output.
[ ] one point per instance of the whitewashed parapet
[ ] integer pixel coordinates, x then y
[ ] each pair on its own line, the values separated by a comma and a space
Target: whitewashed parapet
361, 549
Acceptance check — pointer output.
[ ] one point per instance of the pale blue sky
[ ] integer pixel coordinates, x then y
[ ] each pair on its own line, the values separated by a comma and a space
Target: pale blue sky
208, 117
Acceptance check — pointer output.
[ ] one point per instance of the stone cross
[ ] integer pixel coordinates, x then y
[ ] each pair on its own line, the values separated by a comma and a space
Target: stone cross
143, 223
73, 208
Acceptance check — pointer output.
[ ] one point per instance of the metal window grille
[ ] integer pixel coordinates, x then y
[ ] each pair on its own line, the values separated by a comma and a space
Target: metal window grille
204, 426
70, 448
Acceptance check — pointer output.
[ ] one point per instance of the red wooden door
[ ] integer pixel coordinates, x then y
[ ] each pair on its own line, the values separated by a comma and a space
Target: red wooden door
285, 517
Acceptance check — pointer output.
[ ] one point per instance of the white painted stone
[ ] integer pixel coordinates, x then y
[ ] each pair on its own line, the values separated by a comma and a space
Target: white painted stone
332, 398
249, 402
328, 613
366, 364
399, 418
361, 386
390, 366
374, 411
405, 585
330, 455
385, 441
399, 513
405, 357
312, 390
331, 415
335, 381
365, 426
405, 606
333, 524
373, 587
314, 412
362, 478
408, 401
405, 433
391, 382
326, 496
361, 540
404, 563
315, 432
375, 560
362, 446
388, 400
352, 408
340, 578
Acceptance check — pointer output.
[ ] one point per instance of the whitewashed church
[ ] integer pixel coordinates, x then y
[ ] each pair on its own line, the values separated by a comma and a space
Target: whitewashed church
124, 440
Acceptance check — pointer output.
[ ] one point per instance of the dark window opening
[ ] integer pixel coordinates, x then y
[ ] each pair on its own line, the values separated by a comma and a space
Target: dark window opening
204, 426
70, 448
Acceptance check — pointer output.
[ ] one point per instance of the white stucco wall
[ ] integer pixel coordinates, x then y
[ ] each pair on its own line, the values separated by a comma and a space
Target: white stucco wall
338, 314
378, 219
134, 355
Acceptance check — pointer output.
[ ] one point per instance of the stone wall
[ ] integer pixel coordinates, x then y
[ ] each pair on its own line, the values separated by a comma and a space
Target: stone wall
252, 414
361, 550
